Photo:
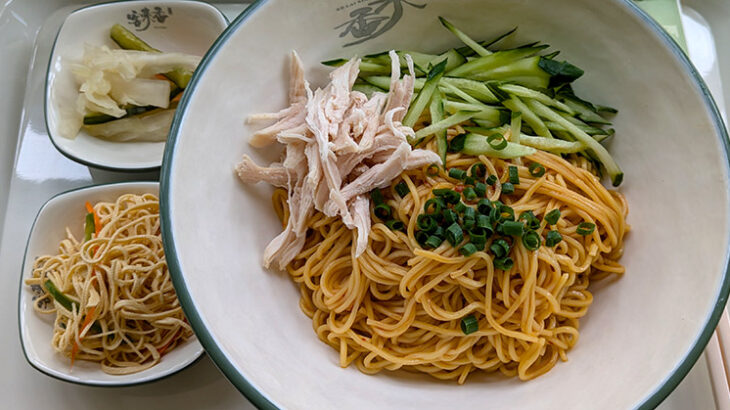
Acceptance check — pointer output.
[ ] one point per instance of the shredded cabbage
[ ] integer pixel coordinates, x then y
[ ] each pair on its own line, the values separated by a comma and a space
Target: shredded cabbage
151, 127
110, 79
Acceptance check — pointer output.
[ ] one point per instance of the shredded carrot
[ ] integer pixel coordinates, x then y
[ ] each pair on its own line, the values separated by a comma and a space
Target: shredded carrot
87, 322
74, 350
160, 77
97, 224
164, 348
177, 97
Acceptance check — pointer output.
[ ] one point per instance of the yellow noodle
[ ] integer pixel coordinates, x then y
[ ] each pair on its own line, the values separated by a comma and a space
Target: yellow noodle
399, 306
121, 274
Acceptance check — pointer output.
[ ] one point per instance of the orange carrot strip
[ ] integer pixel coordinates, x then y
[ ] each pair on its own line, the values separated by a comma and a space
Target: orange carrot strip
164, 348
160, 77
177, 97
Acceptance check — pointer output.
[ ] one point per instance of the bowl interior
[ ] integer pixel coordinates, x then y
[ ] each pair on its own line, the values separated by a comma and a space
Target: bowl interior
36, 330
171, 26
643, 332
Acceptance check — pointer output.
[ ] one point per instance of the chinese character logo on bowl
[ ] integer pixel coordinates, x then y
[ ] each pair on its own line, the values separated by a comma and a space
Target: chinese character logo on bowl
145, 17
372, 19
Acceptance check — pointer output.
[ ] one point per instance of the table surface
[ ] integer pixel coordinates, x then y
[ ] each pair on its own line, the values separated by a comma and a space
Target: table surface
32, 171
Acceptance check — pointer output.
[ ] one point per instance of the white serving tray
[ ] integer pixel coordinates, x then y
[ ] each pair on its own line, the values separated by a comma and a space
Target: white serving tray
32, 171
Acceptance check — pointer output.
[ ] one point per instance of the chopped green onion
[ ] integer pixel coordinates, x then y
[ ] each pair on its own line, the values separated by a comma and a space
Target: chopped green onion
422, 237
531, 240
426, 223
434, 241
457, 173
552, 216
469, 181
478, 235
553, 238
457, 143
499, 248
460, 207
377, 197
479, 170
512, 228
514, 176
432, 170
505, 263
585, 228
536, 169
531, 221
468, 223
470, 194
439, 231
434, 206
508, 188
89, 228
483, 221
497, 142
468, 249
469, 212
402, 189
484, 206
395, 225
469, 324
449, 195
491, 180
449, 216
454, 234
382, 211
506, 213
481, 189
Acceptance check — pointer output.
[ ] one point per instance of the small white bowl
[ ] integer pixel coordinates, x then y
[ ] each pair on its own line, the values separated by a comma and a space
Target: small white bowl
173, 26
36, 330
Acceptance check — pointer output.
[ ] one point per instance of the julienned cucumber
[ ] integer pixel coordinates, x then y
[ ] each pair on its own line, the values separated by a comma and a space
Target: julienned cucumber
424, 96
523, 90
476, 144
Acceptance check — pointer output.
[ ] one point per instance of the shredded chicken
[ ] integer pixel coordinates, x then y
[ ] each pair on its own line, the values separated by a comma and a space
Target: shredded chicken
340, 145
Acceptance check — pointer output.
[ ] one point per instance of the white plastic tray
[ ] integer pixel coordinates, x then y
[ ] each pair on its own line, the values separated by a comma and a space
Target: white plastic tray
31, 171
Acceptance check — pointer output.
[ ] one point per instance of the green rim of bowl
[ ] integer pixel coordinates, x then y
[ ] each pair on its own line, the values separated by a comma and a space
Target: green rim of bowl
47, 91
224, 362
21, 287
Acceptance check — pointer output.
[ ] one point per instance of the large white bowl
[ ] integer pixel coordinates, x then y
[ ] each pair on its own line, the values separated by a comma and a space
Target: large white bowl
643, 332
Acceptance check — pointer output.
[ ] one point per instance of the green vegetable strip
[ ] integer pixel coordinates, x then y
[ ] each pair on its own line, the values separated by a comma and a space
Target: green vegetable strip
89, 227
476, 144
436, 109
523, 92
495, 60
554, 145
516, 105
62, 299
461, 94
442, 125
465, 39
614, 172
515, 126
128, 41
424, 96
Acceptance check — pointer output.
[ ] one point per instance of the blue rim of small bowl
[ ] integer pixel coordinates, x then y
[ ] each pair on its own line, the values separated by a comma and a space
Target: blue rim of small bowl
200, 354
46, 91
226, 365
